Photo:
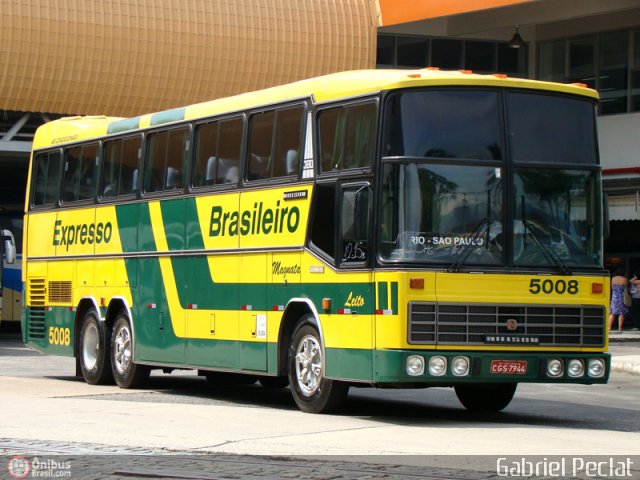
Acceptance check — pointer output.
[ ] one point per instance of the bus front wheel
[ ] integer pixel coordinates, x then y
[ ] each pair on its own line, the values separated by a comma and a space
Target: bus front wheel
489, 397
95, 339
312, 392
126, 373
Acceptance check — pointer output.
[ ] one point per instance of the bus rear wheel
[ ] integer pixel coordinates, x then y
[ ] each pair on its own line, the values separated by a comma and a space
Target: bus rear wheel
312, 392
94, 342
126, 373
490, 397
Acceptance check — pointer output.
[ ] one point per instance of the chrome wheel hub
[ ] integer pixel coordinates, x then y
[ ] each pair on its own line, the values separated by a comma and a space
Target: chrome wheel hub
308, 365
122, 350
90, 346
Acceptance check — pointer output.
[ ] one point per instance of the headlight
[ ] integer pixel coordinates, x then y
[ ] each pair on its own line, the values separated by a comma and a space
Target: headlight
575, 368
437, 366
555, 367
415, 365
460, 366
596, 368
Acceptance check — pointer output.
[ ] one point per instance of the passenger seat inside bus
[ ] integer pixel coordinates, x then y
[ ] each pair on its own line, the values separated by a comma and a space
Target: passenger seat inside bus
173, 178
292, 162
228, 171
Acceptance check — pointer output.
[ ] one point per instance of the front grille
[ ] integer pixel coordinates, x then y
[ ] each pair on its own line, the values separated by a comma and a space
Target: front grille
436, 323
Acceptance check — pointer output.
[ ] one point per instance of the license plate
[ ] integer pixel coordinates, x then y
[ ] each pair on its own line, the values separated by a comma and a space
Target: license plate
509, 367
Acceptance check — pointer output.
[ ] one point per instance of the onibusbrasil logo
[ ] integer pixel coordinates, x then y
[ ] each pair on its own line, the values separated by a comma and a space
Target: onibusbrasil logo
20, 466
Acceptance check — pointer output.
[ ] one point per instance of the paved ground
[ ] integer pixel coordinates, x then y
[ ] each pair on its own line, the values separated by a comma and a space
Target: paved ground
178, 429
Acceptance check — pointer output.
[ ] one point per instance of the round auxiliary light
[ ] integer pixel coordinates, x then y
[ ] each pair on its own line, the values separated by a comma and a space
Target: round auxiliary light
437, 366
460, 366
596, 368
575, 368
555, 367
415, 365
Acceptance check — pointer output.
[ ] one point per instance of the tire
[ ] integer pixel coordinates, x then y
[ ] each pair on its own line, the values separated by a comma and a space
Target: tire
93, 352
490, 397
126, 373
312, 392
274, 382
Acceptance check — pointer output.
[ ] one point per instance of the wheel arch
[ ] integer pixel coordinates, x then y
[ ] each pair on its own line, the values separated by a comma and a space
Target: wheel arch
296, 308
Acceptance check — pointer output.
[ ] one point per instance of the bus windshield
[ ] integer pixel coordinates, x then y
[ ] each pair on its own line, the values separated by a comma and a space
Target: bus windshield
452, 196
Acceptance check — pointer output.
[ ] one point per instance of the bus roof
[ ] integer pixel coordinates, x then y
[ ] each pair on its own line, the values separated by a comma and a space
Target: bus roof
322, 89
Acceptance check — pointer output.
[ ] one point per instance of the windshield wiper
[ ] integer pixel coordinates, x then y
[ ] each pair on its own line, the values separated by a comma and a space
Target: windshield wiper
549, 254
462, 255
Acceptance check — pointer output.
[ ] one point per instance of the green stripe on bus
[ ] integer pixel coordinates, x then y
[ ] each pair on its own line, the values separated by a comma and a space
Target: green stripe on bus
394, 297
383, 300
181, 224
124, 125
168, 116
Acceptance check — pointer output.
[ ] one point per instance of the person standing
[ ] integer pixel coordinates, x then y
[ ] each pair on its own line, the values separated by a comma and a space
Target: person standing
618, 309
634, 291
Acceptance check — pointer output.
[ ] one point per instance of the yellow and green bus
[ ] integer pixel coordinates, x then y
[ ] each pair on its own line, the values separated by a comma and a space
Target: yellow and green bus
386, 228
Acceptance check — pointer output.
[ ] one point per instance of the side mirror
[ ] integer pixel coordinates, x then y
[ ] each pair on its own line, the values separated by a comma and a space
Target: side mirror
9, 245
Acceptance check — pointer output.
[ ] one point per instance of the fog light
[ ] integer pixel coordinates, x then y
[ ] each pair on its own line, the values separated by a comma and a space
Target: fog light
596, 368
575, 368
460, 366
415, 365
555, 367
437, 366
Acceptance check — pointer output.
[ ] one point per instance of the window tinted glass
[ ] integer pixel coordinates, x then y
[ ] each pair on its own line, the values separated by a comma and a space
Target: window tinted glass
480, 56
446, 54
287, 148
120, 166
260, 146
412, 52
218, 147
443, 124
47, 178
79, 173
355, 224
441, 213
167, 159
347, 137
614, 62
557, 217
324, 218
553, 129
206, 154
275, 146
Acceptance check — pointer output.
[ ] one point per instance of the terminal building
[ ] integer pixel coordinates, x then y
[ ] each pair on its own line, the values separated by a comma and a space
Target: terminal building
126, 58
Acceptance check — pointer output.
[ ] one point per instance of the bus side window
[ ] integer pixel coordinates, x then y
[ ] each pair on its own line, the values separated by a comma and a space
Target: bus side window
354, 223
166, 160
47, 178
276, 143
120, 162
79, 173
218, 147
261, 139
347, 136
286, 158
323, 223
